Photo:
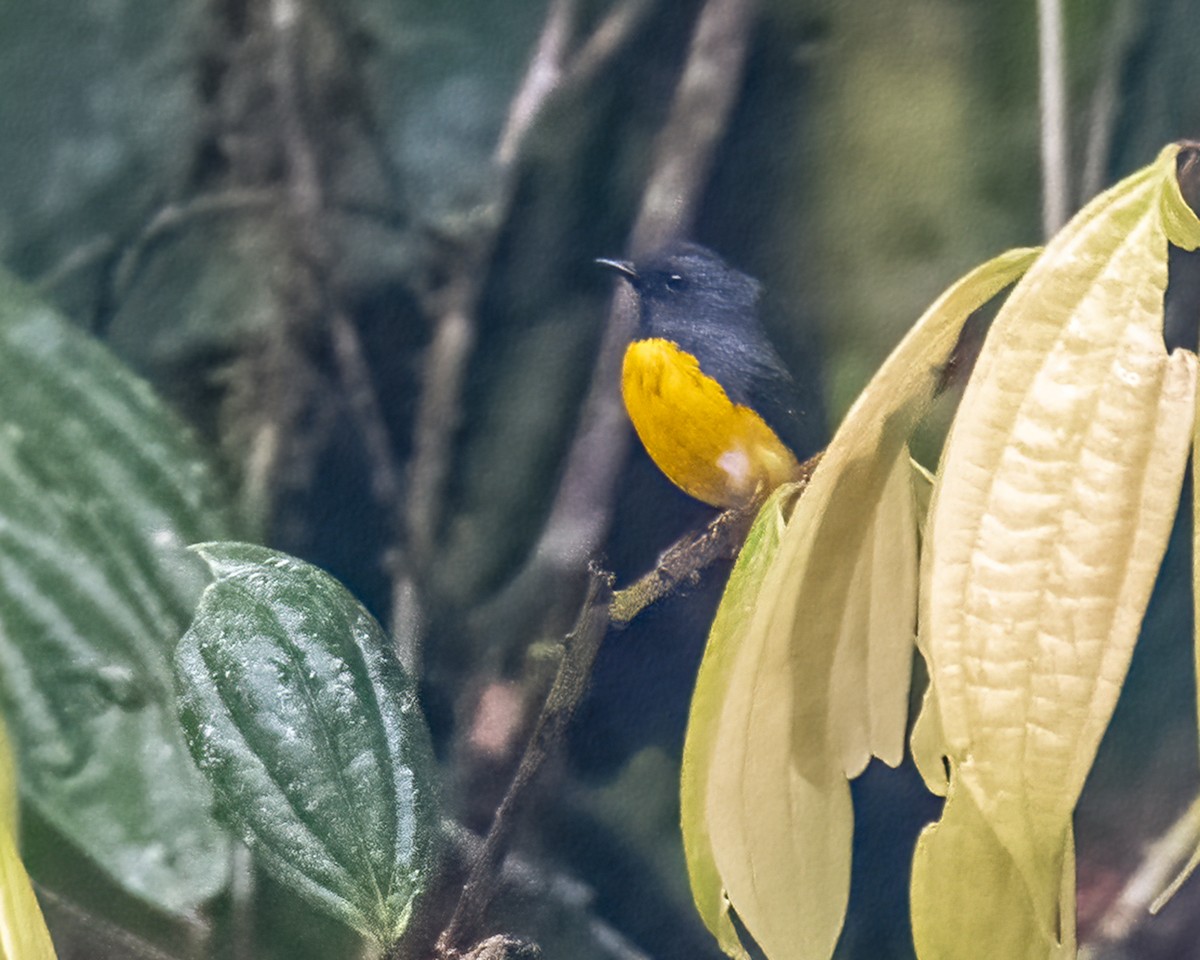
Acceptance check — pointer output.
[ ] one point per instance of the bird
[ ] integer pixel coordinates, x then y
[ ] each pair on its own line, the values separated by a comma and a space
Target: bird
708, 395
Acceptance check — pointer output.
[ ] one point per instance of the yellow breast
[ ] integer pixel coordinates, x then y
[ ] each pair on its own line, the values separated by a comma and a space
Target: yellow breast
713, 449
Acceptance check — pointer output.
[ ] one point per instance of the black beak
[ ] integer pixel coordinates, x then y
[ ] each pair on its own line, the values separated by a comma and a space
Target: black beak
623, 267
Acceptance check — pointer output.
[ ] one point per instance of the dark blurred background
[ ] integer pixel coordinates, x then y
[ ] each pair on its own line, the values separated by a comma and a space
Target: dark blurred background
325, 233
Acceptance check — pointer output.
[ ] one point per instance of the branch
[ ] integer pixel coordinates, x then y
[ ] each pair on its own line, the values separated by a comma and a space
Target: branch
81, 258
1167, 864
579, 653
541, 77
439, 404
605, 41
1056, 185
681, 563
308, 208
178, 216
580, 514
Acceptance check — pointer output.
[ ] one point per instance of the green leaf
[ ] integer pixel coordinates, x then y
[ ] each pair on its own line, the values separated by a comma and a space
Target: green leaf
100, 491
311, 735
806, 672
100, 116
1051, 513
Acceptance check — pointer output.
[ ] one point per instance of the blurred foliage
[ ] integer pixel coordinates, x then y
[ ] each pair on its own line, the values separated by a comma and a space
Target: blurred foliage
101, 489
154, 188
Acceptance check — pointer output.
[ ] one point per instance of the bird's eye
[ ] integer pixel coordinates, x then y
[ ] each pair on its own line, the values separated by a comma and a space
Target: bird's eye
676, 283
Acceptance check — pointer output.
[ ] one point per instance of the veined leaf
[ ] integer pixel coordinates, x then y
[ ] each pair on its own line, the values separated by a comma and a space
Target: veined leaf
311, 735
806, 671
1058, 487
100, 491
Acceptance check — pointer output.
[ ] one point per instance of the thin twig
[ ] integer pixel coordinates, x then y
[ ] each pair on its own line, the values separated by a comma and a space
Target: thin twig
1056, 186
355, 375
307, 202
76, 261
178, 216
558, 892
582, 507
541, 77
609, 37
305, 192
579, 653
453, 342
1167, 863
682, 562
444, 368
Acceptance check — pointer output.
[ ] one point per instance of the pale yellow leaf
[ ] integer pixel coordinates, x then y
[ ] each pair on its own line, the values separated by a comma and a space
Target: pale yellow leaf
926, 741
1051, 513
873, 633
785, 705
967, 892
737, 607
928, 745
23, 933
8, 785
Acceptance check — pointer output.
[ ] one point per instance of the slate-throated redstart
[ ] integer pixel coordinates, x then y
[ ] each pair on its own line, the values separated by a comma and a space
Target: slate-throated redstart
710, 399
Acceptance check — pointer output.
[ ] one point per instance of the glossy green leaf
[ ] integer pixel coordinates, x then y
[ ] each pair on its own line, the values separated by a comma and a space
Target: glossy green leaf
806, 672
1051, 513
311, 735
100, 491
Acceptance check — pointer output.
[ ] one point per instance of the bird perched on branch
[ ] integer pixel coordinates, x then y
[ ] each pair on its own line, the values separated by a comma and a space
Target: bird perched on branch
710, 399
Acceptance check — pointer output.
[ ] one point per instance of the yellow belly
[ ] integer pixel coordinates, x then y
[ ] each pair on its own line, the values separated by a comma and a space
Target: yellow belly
713, 449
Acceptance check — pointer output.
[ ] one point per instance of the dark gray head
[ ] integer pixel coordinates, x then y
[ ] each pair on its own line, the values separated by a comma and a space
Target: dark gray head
685, 283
